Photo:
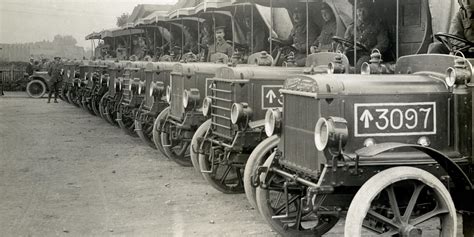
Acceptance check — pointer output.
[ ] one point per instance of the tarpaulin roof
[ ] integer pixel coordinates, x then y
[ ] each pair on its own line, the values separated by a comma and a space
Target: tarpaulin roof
188, 11
152, 18
205, 5
143, 10
442, 12
115, 32
93, 35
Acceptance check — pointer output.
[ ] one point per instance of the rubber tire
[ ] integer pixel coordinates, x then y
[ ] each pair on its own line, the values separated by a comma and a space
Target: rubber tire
95, 106
200, 132
257, 158
142, 135
129, 131
101, 106
157, 135
41, 83
361, 202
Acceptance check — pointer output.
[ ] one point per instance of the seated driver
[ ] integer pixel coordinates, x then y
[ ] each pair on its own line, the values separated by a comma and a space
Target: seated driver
221, 45
462, 26
370, 32
324, 41
298, 35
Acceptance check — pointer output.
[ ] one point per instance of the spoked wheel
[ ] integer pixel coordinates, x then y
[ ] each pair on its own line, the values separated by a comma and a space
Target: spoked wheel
36, 89
126, 123
95, 105
403, 201
62, 94
102, 106
176, 149
70, 97
258, 156
110, 113
157, 125
144, 131
287, 214
195, 145
223, 176
77, 99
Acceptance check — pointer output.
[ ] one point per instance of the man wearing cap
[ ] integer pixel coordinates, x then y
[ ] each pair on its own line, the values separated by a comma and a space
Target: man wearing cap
301, 35
370, 32
220, 45
462, 26
55, 71
324, 41
30, 68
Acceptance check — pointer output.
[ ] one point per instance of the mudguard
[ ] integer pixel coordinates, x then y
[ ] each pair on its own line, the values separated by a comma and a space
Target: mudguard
459, 177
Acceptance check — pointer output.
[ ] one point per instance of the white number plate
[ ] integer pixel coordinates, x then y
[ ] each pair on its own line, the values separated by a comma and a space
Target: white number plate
394, 119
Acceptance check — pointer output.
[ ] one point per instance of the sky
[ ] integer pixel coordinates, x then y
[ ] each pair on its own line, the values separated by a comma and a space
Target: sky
23, 21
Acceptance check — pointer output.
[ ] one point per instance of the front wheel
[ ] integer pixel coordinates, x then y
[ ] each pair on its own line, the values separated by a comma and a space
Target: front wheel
289, 214
195, 145
222, 175
126, 123
258, 156
143, 131
157, 126
36, 88
176, 149
404, 201
102, 105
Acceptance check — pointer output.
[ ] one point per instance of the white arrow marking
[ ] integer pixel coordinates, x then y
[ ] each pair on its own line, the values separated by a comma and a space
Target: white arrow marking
270, 95
366, 118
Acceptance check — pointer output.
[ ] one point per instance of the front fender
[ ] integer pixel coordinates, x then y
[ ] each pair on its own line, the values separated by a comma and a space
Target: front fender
459, 177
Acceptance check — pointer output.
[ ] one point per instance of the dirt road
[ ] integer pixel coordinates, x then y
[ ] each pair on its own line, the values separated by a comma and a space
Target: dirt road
65, 172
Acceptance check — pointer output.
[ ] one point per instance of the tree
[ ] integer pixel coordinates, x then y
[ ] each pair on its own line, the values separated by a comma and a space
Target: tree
122, 19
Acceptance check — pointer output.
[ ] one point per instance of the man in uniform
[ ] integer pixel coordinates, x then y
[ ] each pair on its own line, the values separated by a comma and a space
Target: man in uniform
55, 70
220, 45
462, 26
370, 32
30, 68
301, 36
324, 41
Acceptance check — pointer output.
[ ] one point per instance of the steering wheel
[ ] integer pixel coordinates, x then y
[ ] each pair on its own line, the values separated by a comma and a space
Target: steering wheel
284, 46
453, 42
350, 44
190, 57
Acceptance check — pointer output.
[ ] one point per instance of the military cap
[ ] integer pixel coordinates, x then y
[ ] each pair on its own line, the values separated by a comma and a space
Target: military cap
220, 28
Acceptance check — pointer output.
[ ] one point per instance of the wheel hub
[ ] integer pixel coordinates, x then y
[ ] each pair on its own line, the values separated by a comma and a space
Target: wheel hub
410, 231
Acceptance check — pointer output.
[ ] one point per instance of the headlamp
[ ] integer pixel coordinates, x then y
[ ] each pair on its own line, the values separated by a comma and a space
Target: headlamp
459, 74
329, 133
206, 106
239, 112
191, 97
272, 121
168, 94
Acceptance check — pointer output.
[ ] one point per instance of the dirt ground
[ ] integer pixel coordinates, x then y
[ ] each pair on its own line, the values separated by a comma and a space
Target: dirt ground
65, 172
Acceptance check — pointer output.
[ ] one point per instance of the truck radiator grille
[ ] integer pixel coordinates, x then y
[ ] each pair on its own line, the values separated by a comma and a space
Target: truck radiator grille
177, 89
222, 95
300, 114
127, 93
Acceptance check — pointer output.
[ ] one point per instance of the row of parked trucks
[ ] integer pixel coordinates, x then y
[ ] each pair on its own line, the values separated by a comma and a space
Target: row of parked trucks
389, 150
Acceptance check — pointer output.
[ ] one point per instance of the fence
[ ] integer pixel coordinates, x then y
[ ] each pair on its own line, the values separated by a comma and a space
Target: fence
13, 79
